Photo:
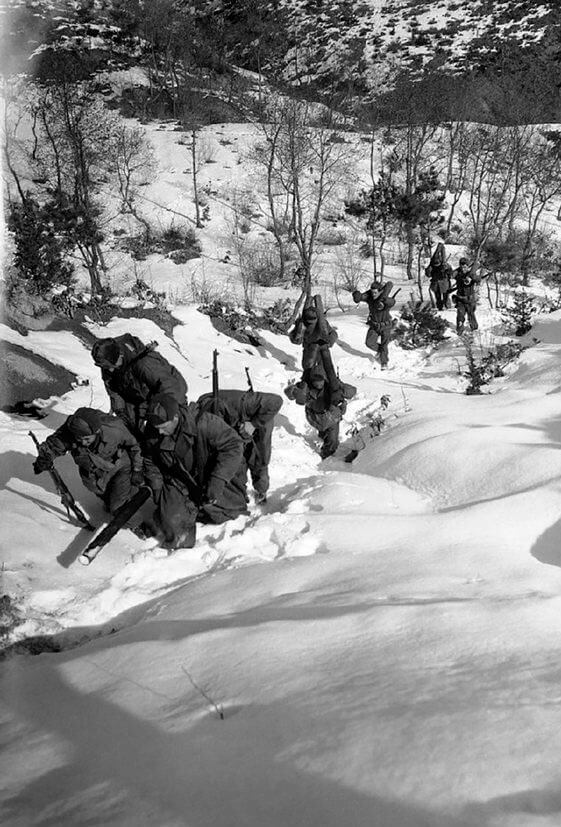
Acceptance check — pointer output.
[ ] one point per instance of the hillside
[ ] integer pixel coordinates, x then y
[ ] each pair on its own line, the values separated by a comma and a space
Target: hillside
464, 59
378, 646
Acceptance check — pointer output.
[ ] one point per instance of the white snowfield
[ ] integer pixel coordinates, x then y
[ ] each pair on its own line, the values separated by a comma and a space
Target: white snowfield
377, 647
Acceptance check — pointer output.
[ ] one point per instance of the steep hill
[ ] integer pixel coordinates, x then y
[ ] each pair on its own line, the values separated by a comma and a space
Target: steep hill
479, 60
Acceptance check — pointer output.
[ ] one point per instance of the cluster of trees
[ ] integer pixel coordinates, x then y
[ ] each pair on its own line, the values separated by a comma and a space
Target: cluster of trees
62, 148
493, 184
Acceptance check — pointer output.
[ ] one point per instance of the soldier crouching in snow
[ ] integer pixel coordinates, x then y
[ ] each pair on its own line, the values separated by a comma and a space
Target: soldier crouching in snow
106, 453
379, 320
194, 466
251, 414
324, 406
133, 373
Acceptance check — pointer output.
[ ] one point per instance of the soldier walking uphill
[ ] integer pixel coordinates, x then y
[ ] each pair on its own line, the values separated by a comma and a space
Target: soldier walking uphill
379, 319
106, 453
251, 414
324, 397
133, 374
312, 331
194, 466
465, 295
440, 274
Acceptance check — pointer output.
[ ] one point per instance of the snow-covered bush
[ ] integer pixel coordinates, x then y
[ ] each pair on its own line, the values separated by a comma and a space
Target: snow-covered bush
518, 316
419, 325
489, 364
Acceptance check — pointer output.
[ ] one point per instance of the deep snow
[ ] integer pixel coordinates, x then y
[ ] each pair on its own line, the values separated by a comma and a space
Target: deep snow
382, 639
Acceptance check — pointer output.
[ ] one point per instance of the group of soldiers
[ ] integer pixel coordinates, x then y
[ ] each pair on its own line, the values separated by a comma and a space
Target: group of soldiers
459, 286
446, 286
194, 457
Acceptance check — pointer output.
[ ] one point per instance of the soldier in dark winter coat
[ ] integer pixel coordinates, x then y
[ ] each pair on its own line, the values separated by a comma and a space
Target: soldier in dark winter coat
379, 319
106, 453
311, 335
252, 415
195, 468
440, 274
465, 295
324, 406
133, 373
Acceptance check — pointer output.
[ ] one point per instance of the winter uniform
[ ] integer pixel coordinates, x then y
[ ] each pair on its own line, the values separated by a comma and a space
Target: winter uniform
324, 407
440, 274
237, 408
133, 373
379, 319
110, 466
196, 473
308, 333
465, 296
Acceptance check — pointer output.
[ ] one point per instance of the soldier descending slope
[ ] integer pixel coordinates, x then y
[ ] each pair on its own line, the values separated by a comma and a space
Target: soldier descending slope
133, 373
324, 398
379, 319
251, 414
440, 274
106, 453
194, 466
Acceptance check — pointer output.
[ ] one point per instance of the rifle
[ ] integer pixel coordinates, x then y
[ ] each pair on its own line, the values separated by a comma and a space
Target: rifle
65, 494
107, 531
332, 378
322, 321
215, 400
396, 292
249, 382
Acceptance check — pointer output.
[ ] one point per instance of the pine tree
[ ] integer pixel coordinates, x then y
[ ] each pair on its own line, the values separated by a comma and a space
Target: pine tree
419, 325
519, 315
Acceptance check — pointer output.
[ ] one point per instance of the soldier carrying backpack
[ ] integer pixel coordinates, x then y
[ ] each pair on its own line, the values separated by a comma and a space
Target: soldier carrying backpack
133, 373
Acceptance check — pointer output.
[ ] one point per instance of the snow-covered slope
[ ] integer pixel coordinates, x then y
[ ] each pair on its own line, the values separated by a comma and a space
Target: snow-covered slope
379, 646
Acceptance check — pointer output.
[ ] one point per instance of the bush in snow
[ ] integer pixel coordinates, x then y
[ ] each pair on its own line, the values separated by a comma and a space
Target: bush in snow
419, 325
518, 316
10, 617
41, 245
482, 368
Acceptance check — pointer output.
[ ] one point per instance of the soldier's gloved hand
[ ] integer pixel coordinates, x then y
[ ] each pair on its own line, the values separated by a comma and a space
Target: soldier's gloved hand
357, 295
44, 462
214, 490
137, 477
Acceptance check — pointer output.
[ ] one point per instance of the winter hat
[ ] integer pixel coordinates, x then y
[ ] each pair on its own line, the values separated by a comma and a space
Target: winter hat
84, 422
106, 352
464, 261
162, 409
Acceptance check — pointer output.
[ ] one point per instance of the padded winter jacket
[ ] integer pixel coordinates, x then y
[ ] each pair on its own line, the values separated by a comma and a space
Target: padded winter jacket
324, 407
115, 448
203, 453
379, 303
465, 290
143, 374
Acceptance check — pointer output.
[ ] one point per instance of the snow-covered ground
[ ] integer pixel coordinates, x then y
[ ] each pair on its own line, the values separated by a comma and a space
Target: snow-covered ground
377, 647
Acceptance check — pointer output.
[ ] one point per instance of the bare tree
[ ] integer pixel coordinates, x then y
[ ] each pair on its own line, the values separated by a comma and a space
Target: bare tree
308, 163
134, 164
